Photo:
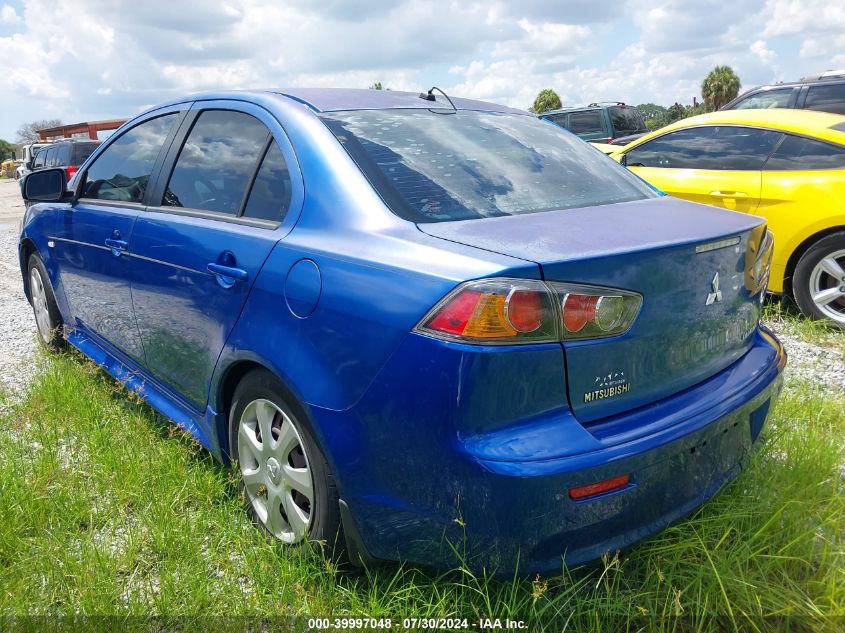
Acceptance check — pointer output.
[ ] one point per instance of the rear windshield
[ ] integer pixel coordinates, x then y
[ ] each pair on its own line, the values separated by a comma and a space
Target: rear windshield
439, 167
626, 121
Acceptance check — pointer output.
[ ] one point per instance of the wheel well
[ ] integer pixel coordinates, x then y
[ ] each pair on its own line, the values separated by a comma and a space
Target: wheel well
803, 247
27, 249
230, 381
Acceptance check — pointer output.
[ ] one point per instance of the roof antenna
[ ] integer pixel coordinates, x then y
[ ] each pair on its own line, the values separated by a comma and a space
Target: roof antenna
429, 96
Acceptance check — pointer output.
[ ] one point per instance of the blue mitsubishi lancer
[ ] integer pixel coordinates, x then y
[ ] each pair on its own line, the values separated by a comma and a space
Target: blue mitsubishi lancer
415, 325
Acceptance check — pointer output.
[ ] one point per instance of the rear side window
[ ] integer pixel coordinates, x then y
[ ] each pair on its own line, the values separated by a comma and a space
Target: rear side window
269, 197
588, 122
81, 152
122, 171
216, 163
709, 147
50, 157
767, 99
827, 98
798, 153
626, 121
435, 167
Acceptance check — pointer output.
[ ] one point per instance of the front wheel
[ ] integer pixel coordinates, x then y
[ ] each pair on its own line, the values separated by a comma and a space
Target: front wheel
288, 486
819, 280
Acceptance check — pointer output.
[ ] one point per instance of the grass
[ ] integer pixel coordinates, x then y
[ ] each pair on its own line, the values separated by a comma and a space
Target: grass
106, 510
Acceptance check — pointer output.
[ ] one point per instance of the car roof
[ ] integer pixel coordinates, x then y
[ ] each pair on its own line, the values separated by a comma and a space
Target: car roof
338, 99
804, 122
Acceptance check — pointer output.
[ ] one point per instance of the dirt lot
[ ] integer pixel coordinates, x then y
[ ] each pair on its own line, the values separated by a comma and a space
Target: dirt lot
17, 325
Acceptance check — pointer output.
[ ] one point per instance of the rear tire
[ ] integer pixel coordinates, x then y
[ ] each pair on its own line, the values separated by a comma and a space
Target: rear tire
818, 283
288, 486
48, 319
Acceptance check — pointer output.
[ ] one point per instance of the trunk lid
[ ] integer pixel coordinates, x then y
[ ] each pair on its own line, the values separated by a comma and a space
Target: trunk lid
691, 325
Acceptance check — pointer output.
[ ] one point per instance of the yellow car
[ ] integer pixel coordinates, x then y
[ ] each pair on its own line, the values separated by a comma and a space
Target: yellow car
787, 166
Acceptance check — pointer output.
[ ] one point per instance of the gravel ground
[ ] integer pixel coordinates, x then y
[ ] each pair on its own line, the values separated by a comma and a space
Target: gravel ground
17, 325
821, 360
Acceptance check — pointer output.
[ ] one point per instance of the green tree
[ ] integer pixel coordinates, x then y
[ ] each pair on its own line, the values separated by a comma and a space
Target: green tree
654, 115
28, 132
547, 99
719, 87
7, 149
376, 86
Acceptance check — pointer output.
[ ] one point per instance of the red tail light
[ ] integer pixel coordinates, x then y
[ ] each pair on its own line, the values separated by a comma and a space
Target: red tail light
71, 170
513, 311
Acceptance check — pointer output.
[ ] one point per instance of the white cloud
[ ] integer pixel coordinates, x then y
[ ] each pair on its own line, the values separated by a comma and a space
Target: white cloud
120, 55
8, 15
785, 17
765, 55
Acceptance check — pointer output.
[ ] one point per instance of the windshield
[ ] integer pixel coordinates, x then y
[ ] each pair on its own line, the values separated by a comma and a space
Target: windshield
626, 121
444, 166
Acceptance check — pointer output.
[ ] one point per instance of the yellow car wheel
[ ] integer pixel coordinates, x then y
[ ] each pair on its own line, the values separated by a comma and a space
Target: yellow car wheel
819, 280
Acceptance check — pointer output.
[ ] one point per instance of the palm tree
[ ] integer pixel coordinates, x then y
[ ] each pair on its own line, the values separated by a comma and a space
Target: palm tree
547, 99
719, 87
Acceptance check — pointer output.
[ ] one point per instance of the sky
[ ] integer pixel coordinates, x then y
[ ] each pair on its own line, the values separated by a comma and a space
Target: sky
85, 60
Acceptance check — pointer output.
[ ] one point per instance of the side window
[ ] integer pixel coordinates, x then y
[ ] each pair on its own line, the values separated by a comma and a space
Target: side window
50, 157
81, 152
269, 198
796, 153
710, 147
827, 98
216, 163
588, 122
62, 156
123, 170
767, 99
40, 157
558, 119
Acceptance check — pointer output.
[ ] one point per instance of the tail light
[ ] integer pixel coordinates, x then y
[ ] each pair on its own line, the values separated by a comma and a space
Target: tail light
519, 311
71, 171
758, 259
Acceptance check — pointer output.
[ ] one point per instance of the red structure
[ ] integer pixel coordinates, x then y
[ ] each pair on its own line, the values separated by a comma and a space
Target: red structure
81, 130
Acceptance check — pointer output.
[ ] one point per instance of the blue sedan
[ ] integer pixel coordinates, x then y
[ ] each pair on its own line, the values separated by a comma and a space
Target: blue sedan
418, 326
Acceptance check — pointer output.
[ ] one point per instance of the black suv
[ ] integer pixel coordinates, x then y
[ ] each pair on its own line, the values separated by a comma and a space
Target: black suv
68, 154
600, 122
825, 92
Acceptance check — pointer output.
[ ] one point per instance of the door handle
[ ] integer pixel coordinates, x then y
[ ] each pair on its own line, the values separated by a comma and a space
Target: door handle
229, 272
117, 246
728, 194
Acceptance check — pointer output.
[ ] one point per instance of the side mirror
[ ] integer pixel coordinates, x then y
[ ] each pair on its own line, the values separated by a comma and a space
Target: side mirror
46, 185
624, 160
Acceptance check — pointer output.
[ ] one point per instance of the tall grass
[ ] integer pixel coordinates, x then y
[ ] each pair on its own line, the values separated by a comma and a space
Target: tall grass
106, 510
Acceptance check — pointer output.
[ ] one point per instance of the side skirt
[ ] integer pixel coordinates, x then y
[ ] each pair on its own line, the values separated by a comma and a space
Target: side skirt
154, 394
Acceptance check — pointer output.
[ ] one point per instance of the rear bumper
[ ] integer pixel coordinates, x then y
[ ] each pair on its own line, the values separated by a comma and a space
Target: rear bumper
486, 500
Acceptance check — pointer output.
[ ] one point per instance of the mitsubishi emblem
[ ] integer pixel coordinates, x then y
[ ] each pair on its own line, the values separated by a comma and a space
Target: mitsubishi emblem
715, 294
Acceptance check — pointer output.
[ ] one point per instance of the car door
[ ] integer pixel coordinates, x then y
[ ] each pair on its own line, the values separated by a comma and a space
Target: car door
712, 164
92, 240
198, 250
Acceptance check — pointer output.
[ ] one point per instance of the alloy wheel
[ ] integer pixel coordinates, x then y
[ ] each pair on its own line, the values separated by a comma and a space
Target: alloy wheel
827, 286
275, 471
38, 293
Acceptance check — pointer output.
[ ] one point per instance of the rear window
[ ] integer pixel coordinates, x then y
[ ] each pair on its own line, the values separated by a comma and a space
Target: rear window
438, 167
626, 121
